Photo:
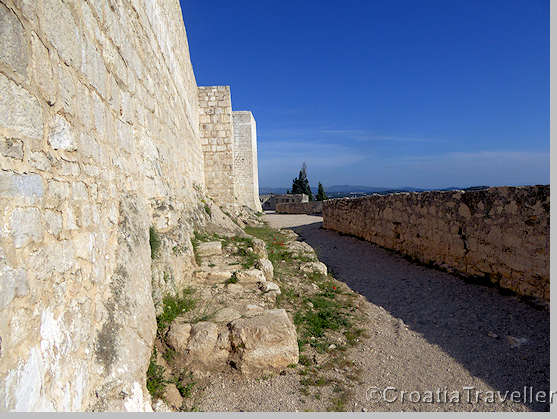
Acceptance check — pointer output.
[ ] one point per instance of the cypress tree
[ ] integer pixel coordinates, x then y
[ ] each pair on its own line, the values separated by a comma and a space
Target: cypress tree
320, 193
301, 183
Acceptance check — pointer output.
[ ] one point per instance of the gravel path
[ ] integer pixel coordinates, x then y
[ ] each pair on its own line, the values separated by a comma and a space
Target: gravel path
429, 331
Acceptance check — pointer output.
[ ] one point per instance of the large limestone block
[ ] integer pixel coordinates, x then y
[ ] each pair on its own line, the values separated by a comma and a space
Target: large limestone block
301, 248
42, 70
26, 227
208, 346
173, 396
178, 335
13, 50
310, 267
219, 275
13, 283
226, 315
27, 186
265, 266
19, 111
61, 136
269, 287
264, 343
60, 28
289, 234
209, 248
11, 147
260, 248
251, 275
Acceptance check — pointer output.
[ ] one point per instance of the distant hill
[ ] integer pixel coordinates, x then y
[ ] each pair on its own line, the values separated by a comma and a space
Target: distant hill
267, 190
336, 191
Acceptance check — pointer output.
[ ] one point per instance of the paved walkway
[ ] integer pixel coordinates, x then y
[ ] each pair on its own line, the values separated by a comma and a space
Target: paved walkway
431, 329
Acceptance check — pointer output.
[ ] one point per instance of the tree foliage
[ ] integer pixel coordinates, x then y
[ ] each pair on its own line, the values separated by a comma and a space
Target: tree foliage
301, 183
321, 196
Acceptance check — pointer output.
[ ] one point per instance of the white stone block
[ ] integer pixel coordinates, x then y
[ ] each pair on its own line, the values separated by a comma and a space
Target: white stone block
61, 136
26, 226
19, 111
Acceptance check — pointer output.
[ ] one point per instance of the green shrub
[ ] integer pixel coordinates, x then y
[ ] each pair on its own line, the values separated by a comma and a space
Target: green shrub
173, 307
155, 380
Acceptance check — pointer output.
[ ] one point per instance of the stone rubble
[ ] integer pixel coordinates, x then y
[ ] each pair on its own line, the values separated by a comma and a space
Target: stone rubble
240, 327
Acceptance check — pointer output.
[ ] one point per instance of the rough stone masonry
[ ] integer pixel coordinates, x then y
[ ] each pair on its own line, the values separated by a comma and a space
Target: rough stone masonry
500, 233
102, 135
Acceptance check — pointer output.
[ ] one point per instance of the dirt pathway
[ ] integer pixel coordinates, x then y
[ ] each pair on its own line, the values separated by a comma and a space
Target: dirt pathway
431, 332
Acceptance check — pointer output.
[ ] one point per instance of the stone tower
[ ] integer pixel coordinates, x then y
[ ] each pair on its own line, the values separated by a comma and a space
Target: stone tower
229, 143
246, 182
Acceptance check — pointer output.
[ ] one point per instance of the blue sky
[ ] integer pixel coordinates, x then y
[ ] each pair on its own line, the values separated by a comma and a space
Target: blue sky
384, 93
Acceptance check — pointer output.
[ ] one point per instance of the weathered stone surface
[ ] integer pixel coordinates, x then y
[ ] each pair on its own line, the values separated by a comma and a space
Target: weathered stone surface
265, 342
289, 234
61, 29
209, 248
161, 406
29, 187
13, 50
312, 207
246, 185
61, 136
301, 248
100, 136
42, 70
265, 266
53, 221
173, 396
500, 233
269, 287
250, 275
253, 309
11, 147
26, 226
178, 335
204, 349
226, 314
234, 288
310, 267
219, 276
260, 248
19, 111
13, 283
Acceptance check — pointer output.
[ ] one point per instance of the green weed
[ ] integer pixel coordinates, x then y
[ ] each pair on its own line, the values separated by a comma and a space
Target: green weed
154, 242
173, 307
155, 380
232, 280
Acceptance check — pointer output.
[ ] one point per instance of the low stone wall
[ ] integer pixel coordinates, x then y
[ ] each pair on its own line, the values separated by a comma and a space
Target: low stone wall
498, 233
313, 207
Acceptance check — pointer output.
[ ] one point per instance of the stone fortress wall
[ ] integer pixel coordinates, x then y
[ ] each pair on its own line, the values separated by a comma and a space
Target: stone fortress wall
99, 140
246, 182
311, 207
500, 233
229, 141
217, 139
